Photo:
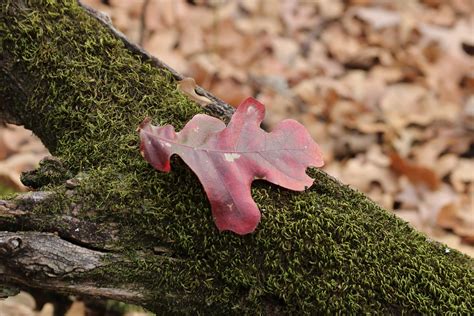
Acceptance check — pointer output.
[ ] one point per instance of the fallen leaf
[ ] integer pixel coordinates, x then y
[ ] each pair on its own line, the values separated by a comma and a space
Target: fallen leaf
378, 18
285, 50
203, 69
11, 169
342, 46
445, 164
415, 173
330, 9
441, 15
12, 309
77, 308
12, 138
47, 310
404, 104
447, 217
250, 5
452, 217
463, 174
379, 196
279, 107
319, 62
224, 36
468, 114
191, 40
188, 86
22, 304
455, 242
227, 159
451, 39
429, 152
363, 174
297, 16
231, 91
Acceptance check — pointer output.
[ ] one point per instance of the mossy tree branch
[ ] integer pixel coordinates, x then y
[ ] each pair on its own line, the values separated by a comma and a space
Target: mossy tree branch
83, 89
44, 260
61, 249
16, 214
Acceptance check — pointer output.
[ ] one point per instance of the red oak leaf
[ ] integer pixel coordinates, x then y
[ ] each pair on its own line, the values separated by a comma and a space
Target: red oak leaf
227, 159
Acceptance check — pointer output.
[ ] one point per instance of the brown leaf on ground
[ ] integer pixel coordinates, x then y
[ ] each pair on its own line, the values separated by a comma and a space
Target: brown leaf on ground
20, 151
22, 304
458, 219
415, 173
11, 169
231, 91
77, 308
462, 176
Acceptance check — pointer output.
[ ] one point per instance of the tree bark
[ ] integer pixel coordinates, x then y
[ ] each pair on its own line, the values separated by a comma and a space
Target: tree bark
104, 223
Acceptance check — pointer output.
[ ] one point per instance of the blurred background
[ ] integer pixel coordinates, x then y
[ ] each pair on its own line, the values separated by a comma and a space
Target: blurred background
386, 87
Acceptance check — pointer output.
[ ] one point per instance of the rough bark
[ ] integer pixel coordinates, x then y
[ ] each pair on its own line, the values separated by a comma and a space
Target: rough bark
56, 255
105, 224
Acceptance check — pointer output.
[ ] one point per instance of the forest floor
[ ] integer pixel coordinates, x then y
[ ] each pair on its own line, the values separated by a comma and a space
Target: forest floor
385, 87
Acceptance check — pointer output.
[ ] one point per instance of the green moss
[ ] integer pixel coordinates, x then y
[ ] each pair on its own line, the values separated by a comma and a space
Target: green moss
5, 191
326, 249
50, 172
120, 308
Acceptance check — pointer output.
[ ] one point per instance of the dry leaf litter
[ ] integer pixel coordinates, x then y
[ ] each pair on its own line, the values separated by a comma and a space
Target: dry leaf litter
386, 87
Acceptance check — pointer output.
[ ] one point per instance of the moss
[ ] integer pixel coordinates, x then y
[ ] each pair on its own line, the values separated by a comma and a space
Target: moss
327, 249
7, 291
119, 308
5, 191
50, 172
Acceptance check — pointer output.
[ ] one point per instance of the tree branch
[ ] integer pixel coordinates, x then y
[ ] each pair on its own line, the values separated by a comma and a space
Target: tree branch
17, 214
46, 261
103, 222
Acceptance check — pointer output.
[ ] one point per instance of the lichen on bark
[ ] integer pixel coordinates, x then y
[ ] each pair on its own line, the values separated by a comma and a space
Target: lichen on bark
83, 92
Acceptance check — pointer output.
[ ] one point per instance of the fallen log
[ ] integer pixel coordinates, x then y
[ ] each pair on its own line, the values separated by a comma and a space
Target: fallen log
104, 223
